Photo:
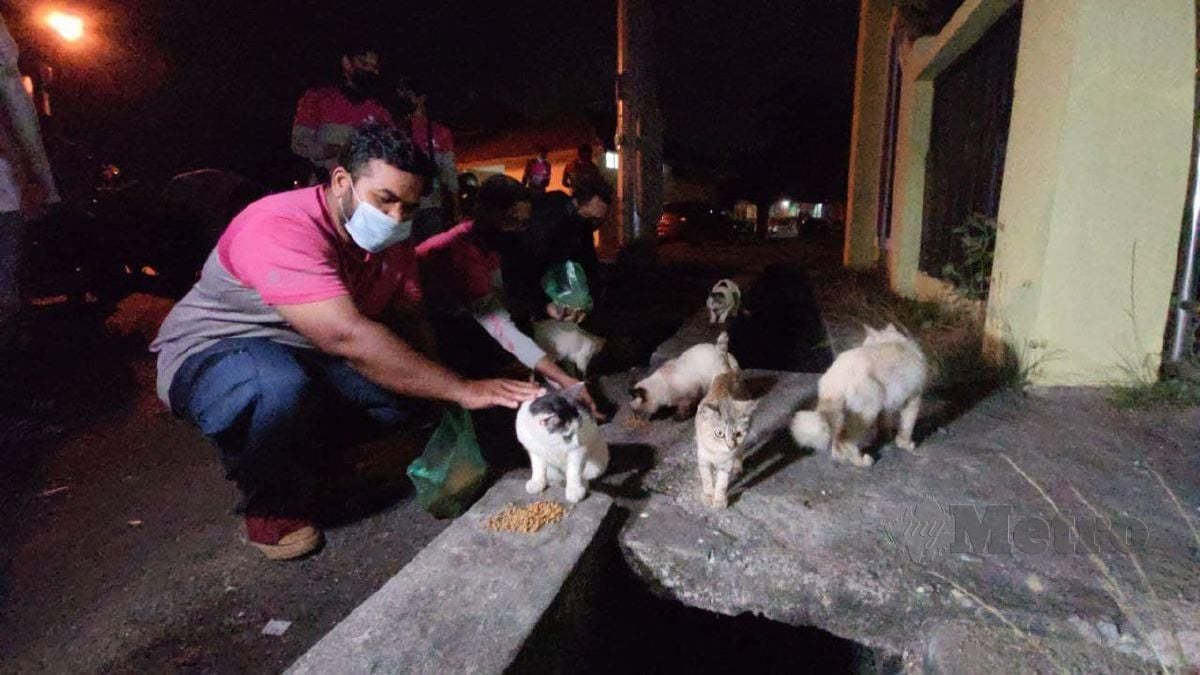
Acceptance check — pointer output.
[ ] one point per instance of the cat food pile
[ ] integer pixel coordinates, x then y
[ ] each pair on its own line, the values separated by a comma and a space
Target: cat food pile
635, 422
526, 519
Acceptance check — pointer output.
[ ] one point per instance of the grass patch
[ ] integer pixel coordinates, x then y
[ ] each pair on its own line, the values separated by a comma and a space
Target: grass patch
1162, 394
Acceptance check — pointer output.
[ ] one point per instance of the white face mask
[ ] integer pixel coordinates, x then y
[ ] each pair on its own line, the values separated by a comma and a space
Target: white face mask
372, 229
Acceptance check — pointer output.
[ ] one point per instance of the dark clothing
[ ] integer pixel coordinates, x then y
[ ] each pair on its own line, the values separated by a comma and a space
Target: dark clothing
272, 409
557, 234
577, 169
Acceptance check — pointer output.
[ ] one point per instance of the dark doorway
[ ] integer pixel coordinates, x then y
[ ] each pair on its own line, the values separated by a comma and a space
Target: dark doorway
965, 167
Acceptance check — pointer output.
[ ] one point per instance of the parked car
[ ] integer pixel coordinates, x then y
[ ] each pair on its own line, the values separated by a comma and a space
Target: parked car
783, 228
693, 221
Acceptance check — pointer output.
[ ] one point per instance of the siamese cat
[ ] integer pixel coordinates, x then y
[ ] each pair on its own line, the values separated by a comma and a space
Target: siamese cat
681, 382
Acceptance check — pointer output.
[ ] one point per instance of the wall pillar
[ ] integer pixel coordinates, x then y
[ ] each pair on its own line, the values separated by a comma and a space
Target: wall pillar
1094, 187
868, 127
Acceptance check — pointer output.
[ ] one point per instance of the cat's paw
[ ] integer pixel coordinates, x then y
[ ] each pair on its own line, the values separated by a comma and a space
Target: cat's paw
862, 460
576, 493
719, 501
844, 452
905, 444
534, 486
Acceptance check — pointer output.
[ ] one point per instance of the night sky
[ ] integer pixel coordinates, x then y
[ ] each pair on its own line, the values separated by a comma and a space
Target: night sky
162, 86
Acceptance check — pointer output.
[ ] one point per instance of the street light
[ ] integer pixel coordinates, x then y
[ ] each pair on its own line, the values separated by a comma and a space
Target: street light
68, 26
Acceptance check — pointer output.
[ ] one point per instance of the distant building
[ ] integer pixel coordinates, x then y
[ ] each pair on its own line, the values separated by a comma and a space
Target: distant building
506, 152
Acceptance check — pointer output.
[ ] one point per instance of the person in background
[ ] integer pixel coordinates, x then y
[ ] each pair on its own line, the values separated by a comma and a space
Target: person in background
306, 326
537, 172
327, 116
579, 167
439, 207
27, 185
460, 272
563, 228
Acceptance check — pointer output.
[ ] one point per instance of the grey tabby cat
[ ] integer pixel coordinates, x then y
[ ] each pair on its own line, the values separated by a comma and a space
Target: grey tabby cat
722, 423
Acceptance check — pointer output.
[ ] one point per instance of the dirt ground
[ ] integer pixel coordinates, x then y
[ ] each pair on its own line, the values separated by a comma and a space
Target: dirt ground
120, 552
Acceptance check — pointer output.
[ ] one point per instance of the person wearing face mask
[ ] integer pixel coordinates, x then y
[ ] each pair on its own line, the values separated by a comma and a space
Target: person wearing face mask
284, 343
461, 275
326, 117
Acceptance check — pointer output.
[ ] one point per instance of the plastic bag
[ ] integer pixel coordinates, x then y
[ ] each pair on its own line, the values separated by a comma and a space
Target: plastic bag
451, 469
567, 285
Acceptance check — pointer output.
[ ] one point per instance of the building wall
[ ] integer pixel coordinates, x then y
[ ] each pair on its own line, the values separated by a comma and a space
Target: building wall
1095, 180
1101, 139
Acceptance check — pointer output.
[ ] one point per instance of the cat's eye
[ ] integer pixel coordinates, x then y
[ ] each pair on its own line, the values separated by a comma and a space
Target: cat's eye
719, 434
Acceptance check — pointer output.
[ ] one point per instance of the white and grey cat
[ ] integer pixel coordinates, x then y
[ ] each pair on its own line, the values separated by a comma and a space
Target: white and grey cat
566, 341
877, 381
722, 423
681, 382
563, 442
724, 302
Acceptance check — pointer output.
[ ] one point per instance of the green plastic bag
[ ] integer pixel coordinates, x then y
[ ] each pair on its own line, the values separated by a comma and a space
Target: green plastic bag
567, 285
451, 469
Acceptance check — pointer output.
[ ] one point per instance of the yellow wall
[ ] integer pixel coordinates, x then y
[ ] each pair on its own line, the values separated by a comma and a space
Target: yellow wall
1097, 165
1096, 170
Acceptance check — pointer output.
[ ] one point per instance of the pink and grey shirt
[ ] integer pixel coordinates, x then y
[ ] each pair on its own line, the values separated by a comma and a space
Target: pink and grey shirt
325, 116
282, 250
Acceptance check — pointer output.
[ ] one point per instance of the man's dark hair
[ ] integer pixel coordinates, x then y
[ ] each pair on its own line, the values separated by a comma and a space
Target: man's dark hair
585, 149
395, 148
591, 185
498, 194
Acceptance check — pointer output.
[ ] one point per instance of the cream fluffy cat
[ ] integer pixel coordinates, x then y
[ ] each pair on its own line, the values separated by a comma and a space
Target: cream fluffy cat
882, 378
566, 341
722, 422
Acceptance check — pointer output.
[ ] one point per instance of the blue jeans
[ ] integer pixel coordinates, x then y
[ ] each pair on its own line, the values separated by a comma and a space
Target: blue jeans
274, 411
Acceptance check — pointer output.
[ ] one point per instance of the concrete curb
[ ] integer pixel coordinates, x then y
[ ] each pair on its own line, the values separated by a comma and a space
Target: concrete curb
472, 600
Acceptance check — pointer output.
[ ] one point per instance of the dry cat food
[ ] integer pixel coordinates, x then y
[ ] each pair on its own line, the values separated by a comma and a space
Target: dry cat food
526, 519
635, 422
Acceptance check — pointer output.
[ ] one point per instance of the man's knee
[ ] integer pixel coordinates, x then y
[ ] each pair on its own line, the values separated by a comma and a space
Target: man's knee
248, 382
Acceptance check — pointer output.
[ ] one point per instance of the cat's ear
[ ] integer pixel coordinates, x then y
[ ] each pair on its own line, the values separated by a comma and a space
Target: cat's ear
871, 332
891, 328
709, 408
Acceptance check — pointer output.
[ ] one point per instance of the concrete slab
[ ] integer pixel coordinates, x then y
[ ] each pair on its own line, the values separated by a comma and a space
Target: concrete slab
472, 599
880, 556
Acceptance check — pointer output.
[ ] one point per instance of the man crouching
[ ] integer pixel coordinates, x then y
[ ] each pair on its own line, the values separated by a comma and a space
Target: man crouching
282, 338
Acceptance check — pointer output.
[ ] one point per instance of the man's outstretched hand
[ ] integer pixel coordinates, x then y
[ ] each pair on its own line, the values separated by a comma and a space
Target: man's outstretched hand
478, 394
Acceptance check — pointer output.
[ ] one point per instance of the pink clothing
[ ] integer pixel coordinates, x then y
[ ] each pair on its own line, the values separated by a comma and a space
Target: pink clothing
443, 140
458, 271
325, 117
328, 105
282, 250
287, 248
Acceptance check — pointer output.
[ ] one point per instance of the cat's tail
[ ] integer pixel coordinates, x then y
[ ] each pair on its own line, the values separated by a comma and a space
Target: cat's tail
810, 429
723, 352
